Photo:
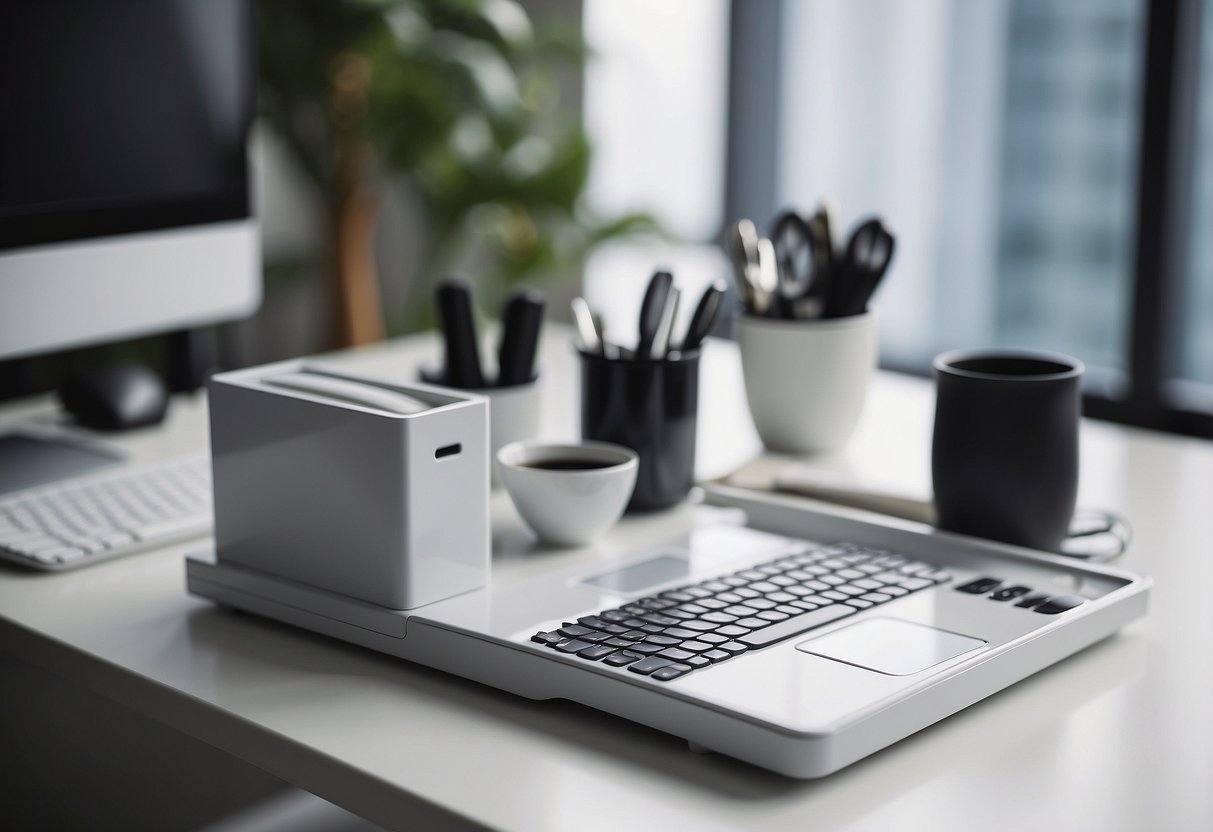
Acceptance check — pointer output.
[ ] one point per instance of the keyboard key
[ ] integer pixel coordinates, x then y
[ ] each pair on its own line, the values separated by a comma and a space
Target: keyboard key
796, 625
746, 592
634, 635
715, 586
1061, 603
663, 640
1032, 600
651, 628
753, 623
725, 633
672, 671
591, 621
646, 666
764, 587
799, 591
729, 597
782, 580
876, 597
697, 592
759, 603
596, 652
780, 597
698, 662
847, 589
866, 583
895, 591
733, 648
717, 655
574, 631
614, 629
712, 604
659, 619
572, 645
699, 625
614, 616
657, 604
680, 632
696, 646
621, 658
595, 638
1009, 592
739, 610
720, 618
832, 580
787, 609
915, 584
646, 647
618, 642
978, 586
858, 603
835, 595
676, 654
547, 638
677, 595
805, 605
772, 615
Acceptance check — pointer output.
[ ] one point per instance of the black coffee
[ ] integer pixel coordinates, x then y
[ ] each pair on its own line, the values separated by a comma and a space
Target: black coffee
569, 465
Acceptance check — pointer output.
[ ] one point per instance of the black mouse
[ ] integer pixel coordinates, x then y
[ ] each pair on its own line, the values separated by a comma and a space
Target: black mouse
118, 397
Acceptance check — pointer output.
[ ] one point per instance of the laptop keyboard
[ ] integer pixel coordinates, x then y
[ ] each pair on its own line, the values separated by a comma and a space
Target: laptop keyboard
672, 633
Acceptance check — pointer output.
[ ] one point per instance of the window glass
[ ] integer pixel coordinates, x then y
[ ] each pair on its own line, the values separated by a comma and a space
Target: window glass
999, 142
1195, 333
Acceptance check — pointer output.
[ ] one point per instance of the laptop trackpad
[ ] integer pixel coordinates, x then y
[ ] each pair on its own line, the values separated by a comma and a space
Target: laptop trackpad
891, 646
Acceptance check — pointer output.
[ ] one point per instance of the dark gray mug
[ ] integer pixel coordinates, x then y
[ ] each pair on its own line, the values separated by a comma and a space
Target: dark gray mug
1004, 457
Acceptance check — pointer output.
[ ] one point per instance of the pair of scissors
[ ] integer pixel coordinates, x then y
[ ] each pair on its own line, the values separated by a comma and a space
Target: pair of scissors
754, 262
853, 283
804, 253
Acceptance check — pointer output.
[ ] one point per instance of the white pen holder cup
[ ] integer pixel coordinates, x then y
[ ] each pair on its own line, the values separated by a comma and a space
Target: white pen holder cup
513, 416
806, 380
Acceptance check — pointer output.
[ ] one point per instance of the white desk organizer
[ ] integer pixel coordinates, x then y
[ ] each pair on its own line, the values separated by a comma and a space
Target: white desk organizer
371, 490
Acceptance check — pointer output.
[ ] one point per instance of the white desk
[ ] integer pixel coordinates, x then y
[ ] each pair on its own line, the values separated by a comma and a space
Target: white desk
1117, 737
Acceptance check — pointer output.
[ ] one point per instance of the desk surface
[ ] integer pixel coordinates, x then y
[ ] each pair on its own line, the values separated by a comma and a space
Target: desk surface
1118, 737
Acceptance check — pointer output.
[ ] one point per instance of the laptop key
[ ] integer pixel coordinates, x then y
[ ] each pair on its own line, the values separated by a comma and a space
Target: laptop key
680, 632
676, 654
663, 640
596, 652
621, 658
733, 648
547, 638
796, 625
618, 642
591, 621
720, 618
574, 631
697, 662
647, 665
700, 625
645, 647
753, 623
673, 671
696, 646
720, 637
572, 645
717, 655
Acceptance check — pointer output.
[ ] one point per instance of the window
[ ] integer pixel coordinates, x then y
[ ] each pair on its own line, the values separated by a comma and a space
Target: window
1047, 167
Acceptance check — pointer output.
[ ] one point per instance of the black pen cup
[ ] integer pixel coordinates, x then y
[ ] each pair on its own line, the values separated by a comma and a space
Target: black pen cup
1004, 457
650, 406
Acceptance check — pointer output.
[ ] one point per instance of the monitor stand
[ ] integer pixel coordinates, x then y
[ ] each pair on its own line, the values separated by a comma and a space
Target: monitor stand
28, 461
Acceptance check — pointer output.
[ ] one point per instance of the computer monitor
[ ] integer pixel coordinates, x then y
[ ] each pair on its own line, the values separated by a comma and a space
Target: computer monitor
124, 183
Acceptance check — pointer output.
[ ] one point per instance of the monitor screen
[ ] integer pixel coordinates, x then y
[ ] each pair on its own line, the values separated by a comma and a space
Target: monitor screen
122, 116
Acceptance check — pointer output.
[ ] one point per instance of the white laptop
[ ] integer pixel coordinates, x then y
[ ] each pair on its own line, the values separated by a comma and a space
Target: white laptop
801, 641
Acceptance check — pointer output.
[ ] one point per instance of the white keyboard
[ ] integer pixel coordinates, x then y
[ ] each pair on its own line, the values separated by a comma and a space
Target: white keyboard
86, 519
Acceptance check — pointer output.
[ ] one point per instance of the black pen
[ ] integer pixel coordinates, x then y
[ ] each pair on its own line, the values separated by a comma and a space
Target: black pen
454, 301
